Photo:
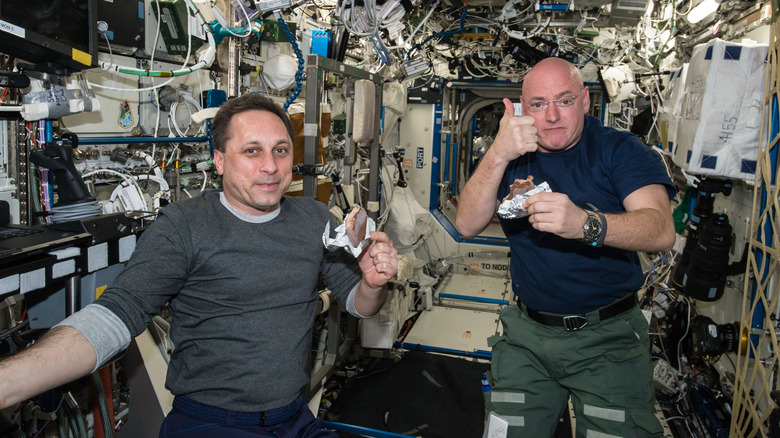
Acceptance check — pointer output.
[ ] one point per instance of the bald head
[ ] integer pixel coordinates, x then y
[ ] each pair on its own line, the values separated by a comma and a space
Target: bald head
561, 71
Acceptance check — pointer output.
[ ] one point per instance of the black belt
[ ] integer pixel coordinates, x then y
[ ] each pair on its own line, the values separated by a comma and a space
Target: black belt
572, 323
210, 414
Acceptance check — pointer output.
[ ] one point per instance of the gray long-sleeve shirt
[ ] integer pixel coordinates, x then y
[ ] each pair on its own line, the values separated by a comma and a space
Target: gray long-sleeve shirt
243, 294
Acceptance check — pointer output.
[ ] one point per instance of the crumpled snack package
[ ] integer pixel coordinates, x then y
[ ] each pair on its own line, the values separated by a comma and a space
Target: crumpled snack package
354, 239
515, 208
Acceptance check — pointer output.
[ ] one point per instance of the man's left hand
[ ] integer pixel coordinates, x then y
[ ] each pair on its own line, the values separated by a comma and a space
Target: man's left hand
379, 260
555, 213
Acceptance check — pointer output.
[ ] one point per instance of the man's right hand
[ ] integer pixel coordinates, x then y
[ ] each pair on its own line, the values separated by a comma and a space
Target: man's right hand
516, 135
477, 202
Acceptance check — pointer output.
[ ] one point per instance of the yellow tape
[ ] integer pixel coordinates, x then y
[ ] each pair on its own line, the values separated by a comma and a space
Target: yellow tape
82, 57
99, 291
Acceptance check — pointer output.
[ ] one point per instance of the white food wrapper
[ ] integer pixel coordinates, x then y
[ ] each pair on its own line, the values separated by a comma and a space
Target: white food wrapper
515, 208
341, 240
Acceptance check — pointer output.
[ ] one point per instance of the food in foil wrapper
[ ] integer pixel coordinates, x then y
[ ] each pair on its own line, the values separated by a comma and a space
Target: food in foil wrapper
513, 206
355, 225
520, 186
353, 235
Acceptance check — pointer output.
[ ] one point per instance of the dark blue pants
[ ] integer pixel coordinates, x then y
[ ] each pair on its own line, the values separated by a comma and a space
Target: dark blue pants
301, 425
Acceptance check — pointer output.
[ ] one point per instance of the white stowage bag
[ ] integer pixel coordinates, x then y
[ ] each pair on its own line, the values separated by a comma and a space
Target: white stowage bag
721, 114
279, 72
670, 114
407, 221
394, 97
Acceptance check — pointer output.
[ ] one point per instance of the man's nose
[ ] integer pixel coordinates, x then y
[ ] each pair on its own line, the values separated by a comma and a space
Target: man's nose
268, 163
552, 112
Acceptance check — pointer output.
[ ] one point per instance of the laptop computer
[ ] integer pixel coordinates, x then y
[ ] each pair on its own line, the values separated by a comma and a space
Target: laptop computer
19, 242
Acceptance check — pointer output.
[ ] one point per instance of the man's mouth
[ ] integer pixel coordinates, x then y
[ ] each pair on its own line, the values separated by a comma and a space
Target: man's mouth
555, 130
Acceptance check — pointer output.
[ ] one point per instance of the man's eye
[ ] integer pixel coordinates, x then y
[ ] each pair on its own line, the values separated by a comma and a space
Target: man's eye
281, 150
250, 150
536, 105
566, 102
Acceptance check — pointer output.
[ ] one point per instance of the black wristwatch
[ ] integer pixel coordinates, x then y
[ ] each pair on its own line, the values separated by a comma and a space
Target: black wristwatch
592, 229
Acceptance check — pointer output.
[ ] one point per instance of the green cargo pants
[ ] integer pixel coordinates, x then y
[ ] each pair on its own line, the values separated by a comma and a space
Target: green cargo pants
604, 367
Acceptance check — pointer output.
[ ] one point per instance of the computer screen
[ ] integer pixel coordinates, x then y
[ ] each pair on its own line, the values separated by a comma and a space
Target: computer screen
60, 34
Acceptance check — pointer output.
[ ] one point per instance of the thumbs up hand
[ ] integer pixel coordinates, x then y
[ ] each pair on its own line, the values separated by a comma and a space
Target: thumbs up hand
516, 134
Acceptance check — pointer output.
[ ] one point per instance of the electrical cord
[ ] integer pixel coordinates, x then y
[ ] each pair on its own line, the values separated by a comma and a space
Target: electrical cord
128, 180
9, 332
163, 193
687, 326
205, 180
424, 20
248, 30
151, 64
43, 428
526, 35
148, 158
444, 34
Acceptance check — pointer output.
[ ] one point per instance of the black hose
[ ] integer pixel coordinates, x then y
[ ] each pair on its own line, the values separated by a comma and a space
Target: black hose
76, 421
62, 430
74, 427
9, 428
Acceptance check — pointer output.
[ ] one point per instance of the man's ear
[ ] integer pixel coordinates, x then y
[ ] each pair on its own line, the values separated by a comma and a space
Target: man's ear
218, 161
586, 98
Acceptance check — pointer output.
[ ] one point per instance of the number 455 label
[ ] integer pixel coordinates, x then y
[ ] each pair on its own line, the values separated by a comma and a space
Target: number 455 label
727, 128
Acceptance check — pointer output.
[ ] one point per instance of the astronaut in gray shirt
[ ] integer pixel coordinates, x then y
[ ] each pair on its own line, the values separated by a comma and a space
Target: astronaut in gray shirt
240, 268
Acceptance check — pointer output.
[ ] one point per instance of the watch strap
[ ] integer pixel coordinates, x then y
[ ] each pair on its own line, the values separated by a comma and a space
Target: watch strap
600, 240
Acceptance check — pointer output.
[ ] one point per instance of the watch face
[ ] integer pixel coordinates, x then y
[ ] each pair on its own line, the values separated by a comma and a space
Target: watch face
592, 228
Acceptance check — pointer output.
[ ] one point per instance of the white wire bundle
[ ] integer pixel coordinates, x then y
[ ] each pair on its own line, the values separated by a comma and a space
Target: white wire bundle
508, 15
72, 212
367, 20
134, 201
192, 106
410, 38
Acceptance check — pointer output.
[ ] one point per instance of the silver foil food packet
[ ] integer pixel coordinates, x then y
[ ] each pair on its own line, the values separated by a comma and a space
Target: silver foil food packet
515, 208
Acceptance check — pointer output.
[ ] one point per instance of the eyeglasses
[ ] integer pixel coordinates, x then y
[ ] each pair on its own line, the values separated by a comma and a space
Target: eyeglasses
563, 102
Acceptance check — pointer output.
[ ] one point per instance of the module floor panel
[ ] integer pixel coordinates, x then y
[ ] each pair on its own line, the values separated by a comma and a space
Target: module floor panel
479, 286
455, 329
421, 395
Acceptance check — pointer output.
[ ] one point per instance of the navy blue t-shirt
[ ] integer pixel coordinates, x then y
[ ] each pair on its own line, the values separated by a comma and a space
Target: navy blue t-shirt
553, 274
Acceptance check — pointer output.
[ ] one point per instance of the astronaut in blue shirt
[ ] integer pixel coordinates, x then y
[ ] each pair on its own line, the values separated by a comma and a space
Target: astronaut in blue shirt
577, 330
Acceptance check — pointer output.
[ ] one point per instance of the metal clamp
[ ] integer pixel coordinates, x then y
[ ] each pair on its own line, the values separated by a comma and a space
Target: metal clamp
573, 323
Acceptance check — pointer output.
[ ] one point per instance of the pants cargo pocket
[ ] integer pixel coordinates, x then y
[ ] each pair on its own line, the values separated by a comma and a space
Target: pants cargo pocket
628, 378
646, 424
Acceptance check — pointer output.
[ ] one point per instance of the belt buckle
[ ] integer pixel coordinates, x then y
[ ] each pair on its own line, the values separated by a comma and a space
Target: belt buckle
572, 323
